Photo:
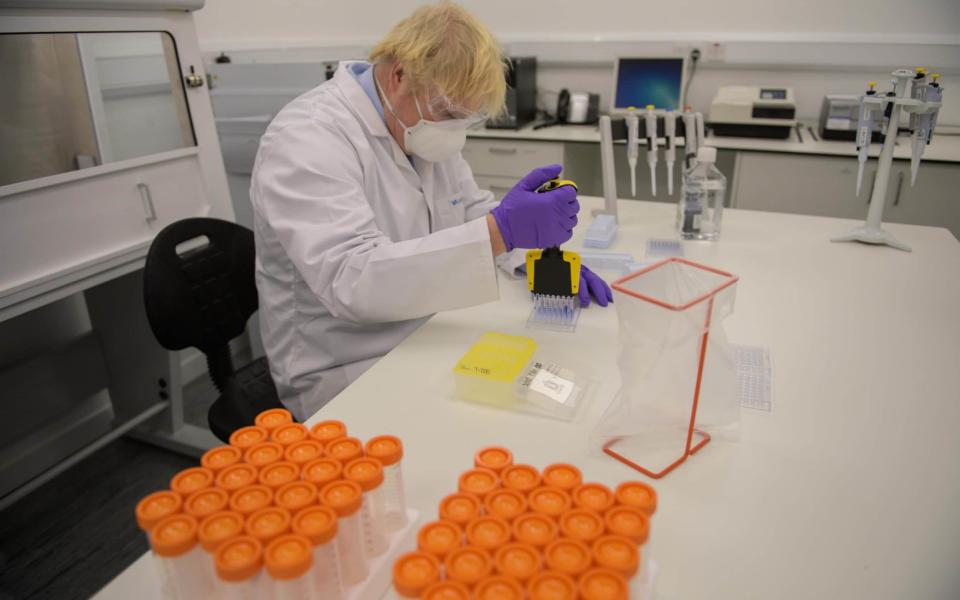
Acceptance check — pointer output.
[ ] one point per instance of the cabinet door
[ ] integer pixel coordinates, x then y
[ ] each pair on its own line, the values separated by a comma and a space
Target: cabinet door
934, 200
498, 185
510, 158
809, 185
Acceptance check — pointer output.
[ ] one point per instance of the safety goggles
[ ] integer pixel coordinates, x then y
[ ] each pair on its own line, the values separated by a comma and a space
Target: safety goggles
443, 109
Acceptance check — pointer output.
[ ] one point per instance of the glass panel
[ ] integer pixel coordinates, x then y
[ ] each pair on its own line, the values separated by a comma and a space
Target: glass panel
75, 101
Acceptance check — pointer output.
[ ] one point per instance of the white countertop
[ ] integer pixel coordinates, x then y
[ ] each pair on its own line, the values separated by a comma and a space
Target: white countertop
945, 148
847, 489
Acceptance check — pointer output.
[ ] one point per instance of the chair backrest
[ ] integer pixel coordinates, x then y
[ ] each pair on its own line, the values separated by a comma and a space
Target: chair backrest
202, 296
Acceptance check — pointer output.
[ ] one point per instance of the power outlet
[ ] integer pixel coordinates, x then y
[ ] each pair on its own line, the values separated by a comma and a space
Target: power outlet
714, 52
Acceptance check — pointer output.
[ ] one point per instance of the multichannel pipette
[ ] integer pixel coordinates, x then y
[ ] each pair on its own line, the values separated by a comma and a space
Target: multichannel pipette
864, 131
651, 126
670, 153
633, 146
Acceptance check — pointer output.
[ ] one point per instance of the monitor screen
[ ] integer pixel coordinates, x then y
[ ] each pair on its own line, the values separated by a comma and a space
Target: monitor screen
643, 81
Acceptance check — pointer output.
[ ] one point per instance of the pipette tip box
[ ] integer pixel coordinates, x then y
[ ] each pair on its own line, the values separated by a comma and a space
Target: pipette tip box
601, 232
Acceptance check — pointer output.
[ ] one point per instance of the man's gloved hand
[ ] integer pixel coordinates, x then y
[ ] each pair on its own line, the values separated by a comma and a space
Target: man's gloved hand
592, 285
528, 219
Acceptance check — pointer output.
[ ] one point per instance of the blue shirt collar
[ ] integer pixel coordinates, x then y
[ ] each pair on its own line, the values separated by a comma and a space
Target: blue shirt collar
363, 73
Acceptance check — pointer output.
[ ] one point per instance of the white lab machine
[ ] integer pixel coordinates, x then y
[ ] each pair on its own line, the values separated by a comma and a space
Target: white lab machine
753, 111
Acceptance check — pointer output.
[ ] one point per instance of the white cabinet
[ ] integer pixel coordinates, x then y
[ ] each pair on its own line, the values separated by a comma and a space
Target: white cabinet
933, 200
498, 164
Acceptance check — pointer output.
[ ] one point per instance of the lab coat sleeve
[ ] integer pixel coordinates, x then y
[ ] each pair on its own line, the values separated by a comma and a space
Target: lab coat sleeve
478, 203
308, 188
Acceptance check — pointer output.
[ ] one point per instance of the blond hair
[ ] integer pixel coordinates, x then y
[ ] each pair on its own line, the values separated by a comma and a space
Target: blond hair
445, 47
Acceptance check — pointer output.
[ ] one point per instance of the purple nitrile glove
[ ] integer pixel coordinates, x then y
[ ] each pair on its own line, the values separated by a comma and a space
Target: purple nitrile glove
592, 285
528, 219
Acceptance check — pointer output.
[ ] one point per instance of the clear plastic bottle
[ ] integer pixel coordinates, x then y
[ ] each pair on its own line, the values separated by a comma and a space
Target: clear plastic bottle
346, 499
368, 473
388, 449
178, 556
239, 563
701, 204
319, 525
289, 562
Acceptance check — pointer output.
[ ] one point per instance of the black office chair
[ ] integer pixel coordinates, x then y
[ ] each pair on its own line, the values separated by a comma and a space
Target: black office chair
203, 298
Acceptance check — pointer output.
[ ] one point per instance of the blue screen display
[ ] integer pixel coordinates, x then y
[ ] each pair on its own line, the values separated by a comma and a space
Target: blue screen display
643, 81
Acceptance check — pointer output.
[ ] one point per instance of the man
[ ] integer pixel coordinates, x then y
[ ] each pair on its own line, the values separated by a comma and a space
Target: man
367, 218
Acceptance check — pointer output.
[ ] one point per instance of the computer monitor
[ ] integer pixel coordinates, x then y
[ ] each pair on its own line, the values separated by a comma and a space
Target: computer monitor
638, 82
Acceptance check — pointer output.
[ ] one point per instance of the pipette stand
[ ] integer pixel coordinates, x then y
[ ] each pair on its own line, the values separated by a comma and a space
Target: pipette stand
871, 232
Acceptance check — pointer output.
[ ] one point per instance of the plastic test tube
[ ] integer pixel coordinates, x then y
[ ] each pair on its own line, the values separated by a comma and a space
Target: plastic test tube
505, 503
439, 538
478, 482
495, 458
273, 418
488, 532
267, 524
562, 475
289, 433
616, 553
567, 556
446, 590
289, 560
322, 471
414, 572
238, 562
303, 452
460, 508
468, 565
344, 449
245, 437
263, 454
549, 501
237, 476
296, 495
518, 561
498, 587
368, 473
522, 478
221, 457
206, 502
638, 494
388, 450
346, 498
535, 529
177, 555
214, 531
319, 525
602, 584
249, 499
582, 524
279, 474
327, 431
550, 585
594, 496
157, 506
191, 480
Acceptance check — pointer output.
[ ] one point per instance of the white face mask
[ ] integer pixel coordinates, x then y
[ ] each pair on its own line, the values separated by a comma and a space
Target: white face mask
433, 141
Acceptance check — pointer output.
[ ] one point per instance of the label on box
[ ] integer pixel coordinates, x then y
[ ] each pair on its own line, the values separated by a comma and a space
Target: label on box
839, 124
549, 384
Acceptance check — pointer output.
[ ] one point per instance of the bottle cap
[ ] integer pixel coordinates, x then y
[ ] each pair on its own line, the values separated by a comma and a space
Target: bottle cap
640, 495
273, 418
318, 523
498, 587
368, 472
251, 498
218, 528
495, 458
220, 457
535, 529
157, 506
414, 572
245, 437
206, 502
603, 584
327, 431
707, 154
460, 508
296, 495
237, 476
581, 524
268, 523
239, 559
344, 449
304, 451
388, 449
322, 471
563, 476
278, 474
550, 585
344, 497
488, 532
289, 556
594, 496
439, 538
617, 553
505, 503
628, 521
289, 433
446, 590
263, 454
190, 480
478, 482
468, 565
174, 535
568, 556
549, 501
517, 560
522, 478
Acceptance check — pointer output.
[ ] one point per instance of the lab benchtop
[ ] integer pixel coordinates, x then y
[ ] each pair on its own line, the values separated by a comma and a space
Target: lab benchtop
847, 488
943, 148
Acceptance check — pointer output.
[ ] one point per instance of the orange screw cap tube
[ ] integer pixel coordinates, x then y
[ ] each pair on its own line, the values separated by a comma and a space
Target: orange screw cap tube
327, 431
263, 454
638, 494
468, 565
158, 505
460, 508
319, 525
522, 478
289, 560
550, 585
414, 572
495, 458
498, 587
273, 418
179, 557
303, 452
535, 529
322, 471
549, 501
251, 498
221, 457
446, 590
289, 433
191, 480
488, 532
478, 482
505, 503
237, 476
279, 474
594, 496
518, 561
368, 473
346, 498
219, 527
245, 437
344, 449
628, 521
617, 553
206, 502
296, 495
268, 523
567, 556
439, 538
603, 584
562, 475
388, 449
238, 561
582, 524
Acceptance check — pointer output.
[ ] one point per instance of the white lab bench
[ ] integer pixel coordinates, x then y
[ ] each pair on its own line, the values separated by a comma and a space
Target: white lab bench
801, 175
846, 489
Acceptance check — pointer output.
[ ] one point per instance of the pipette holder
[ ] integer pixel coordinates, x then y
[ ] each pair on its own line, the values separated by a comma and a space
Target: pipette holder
871, 231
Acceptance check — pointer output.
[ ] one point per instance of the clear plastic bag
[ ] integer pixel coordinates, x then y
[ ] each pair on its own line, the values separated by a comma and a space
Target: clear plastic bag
678, 378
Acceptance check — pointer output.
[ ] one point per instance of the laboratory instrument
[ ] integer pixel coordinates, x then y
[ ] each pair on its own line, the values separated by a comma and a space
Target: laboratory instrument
865, 123
839, 117
670, 151
690, 140
643, 81
553, 278
753, 111
633, 147
605, 261
923, 103
521, 95
678, 382
576, 108
650, 121
700, 208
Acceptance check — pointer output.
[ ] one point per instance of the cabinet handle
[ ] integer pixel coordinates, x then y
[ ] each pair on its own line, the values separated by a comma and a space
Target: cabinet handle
497, 150
149, 213
896, 199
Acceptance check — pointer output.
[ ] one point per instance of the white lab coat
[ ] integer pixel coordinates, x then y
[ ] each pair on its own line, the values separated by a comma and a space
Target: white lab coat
356, 246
